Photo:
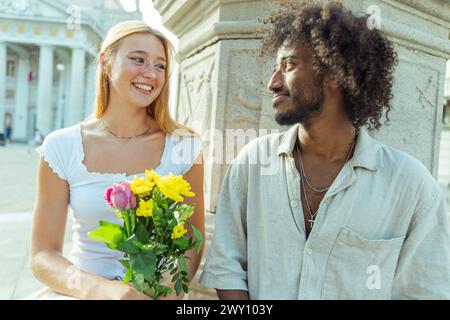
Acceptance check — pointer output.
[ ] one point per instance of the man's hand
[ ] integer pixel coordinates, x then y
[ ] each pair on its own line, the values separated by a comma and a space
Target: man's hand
232, 294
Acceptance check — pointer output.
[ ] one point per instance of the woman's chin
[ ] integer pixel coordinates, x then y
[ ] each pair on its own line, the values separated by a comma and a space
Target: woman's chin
141, 103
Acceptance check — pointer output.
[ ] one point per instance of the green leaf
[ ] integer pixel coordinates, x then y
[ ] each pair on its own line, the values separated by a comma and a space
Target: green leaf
129, 247
142, 234
110, 224
182, 262
107, 234
125, 263
138, 282
178, 287
111, 246
144, 263
161, 249
185, 288
173, 271
128, 276
199, 237
158, 219
165, 291
175, 277
181, 243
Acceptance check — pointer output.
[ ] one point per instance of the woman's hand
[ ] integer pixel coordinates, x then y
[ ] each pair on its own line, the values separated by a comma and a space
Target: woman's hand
117, 290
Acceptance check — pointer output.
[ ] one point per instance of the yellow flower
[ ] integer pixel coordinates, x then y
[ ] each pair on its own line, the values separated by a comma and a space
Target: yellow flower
187, 212
145, 208
152, 176
178, 231
141, 187
174, 187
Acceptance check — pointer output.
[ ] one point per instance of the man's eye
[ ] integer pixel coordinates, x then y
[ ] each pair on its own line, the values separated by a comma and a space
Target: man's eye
288, 64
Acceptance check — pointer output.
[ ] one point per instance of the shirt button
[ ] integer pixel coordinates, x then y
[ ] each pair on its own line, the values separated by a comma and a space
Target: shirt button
293, 204
309, 251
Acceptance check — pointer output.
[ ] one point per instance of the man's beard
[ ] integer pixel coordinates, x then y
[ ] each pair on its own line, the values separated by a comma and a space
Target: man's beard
301, 111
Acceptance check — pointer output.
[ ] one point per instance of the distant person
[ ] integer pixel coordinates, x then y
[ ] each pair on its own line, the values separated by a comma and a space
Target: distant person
38, 138
8, 129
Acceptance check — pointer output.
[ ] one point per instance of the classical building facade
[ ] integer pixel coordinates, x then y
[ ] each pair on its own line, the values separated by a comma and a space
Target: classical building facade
47, 61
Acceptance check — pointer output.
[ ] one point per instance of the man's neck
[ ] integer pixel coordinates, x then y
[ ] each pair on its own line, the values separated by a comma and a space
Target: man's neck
327, 140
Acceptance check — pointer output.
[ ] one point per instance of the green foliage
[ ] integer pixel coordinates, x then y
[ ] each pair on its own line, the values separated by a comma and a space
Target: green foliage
144, 263
151, 249
107, 234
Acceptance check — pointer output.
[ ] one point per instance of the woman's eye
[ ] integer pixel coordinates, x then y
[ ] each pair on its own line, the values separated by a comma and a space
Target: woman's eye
139, 60
161, 67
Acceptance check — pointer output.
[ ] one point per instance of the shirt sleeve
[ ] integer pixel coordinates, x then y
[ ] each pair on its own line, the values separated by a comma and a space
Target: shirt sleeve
184, 153
52, 150
423, 270
226, 264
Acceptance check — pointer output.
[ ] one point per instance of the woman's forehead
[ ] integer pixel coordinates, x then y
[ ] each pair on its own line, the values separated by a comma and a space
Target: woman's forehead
144, 42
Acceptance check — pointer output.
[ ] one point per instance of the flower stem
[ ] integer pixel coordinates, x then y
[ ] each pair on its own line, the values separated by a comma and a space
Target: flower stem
127, 223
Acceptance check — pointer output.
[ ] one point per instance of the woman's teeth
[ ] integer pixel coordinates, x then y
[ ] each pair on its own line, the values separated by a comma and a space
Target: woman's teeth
143, 86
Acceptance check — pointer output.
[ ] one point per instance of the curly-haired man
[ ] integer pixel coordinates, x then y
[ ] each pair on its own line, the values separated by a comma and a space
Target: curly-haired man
344, 216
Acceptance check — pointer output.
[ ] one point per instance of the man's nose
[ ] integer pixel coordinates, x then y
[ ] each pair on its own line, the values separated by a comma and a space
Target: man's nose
276, 81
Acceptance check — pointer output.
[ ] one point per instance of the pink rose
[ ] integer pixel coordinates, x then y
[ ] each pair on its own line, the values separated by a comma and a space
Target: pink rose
119, 196
107, 196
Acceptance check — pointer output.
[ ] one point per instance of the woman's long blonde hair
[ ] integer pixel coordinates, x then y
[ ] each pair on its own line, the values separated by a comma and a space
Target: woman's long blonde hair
158, 109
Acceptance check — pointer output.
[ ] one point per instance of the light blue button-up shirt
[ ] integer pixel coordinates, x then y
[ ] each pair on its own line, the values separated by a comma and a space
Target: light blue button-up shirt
381, 230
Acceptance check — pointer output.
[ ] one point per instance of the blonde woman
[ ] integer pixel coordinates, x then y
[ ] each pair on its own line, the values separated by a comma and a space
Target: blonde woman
132, 131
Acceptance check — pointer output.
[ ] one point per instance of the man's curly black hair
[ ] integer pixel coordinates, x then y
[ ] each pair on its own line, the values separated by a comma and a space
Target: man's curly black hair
360, 59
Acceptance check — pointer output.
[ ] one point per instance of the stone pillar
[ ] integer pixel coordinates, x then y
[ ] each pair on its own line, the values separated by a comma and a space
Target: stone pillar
222, 77
20, 127
45, 89
2, 87
419, 30
61, 96
76, 97
90, 88
67, 89
221, 83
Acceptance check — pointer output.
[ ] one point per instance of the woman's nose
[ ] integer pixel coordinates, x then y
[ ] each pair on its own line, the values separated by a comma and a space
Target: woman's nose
150, 71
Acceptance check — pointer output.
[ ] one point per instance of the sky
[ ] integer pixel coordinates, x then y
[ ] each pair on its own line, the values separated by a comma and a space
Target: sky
150, 16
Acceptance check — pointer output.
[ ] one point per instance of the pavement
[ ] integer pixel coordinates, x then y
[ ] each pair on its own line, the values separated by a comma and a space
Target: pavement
18, 169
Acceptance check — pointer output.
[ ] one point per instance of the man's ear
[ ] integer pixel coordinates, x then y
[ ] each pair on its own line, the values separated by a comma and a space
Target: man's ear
331, 82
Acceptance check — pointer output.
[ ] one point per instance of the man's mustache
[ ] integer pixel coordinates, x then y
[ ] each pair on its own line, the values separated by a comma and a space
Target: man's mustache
279, 92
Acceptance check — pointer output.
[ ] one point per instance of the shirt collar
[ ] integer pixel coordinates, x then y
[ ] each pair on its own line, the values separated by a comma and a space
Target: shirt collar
367, 150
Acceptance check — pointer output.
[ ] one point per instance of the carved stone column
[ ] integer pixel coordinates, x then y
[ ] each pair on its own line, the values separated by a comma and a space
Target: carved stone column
222, 79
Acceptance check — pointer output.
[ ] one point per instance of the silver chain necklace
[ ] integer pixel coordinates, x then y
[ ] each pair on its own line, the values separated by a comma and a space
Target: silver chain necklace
122, 138
302, 169
312, 216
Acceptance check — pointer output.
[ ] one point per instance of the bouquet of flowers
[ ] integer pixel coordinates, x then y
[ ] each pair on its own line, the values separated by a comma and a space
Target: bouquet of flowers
153, 235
